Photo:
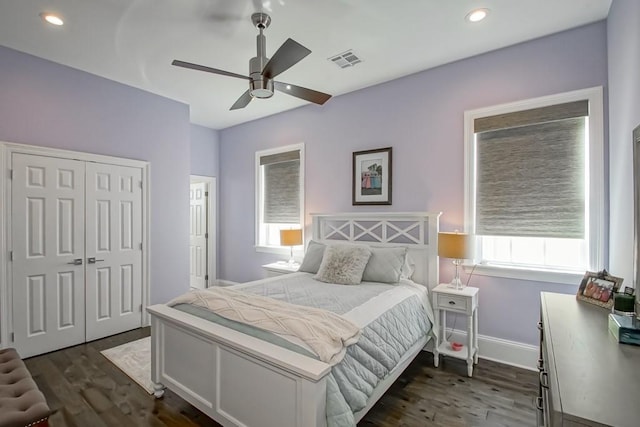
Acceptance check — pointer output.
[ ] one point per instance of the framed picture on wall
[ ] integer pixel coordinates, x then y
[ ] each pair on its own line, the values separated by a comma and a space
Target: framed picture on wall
372, 177
598, 288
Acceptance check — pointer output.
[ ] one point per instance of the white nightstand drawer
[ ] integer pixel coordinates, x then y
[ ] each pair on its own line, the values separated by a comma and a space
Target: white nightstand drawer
453, 303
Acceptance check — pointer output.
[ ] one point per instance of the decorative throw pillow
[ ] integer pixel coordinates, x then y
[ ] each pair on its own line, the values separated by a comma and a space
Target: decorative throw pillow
343, 264
408, 267
385, 265
313, 257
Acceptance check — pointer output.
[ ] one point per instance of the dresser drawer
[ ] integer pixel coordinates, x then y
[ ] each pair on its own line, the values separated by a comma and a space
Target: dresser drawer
453, 303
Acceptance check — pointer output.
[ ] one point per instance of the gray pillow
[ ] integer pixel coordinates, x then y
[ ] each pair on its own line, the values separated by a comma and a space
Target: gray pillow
343, 264
313, 257
385, 265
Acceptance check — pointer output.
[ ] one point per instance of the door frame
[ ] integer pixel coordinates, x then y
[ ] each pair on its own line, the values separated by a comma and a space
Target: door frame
7, 149
212, 222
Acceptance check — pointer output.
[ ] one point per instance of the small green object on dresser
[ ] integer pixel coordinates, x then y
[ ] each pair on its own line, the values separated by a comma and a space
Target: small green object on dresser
625, 329
624, 303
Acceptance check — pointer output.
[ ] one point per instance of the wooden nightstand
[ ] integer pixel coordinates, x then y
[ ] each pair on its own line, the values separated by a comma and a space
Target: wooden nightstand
465, 302
279, 268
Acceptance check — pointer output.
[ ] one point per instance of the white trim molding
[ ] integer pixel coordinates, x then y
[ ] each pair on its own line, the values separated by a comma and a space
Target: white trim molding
560, 277
226, 283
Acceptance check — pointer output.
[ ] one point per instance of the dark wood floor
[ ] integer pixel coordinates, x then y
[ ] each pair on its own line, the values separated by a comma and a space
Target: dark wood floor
84, 389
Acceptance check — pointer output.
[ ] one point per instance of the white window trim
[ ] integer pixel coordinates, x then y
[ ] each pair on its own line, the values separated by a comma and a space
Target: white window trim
536, 275
596, 198
280, 250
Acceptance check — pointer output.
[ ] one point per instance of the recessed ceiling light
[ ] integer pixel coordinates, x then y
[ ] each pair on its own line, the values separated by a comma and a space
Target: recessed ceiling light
52, 18
288, 87
477, 15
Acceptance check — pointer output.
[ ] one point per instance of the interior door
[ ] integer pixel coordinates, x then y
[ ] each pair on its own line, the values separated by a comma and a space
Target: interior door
47, 216
198, 235
113, 249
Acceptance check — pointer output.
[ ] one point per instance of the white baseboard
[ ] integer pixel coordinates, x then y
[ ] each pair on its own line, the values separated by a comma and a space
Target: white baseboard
512, 353
224, 283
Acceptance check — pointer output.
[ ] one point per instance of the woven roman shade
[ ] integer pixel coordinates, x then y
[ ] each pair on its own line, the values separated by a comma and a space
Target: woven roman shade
281, 187
530, 178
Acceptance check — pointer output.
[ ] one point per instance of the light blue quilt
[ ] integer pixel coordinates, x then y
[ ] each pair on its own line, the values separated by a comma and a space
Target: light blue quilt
384, 340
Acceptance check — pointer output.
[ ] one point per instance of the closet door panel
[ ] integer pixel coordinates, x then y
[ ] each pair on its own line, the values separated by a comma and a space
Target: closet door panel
47, 237
113, 238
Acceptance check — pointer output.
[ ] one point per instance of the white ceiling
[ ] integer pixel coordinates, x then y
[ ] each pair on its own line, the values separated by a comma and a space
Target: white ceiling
134, 41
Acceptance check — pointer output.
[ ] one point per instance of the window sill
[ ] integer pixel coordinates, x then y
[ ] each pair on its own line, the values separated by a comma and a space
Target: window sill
537, 275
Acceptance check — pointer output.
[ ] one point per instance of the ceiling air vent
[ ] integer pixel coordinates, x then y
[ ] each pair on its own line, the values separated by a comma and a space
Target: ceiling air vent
345, 59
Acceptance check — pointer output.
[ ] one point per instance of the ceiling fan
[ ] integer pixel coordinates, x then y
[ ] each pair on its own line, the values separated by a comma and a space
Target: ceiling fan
262, 70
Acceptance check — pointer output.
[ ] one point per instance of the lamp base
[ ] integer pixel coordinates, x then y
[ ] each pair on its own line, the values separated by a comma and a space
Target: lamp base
456, 282
292, 262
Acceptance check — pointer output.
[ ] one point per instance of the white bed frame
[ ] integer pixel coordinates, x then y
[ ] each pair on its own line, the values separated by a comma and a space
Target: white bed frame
239, 380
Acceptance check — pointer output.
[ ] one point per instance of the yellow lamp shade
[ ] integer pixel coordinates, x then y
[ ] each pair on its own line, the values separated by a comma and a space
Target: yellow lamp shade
290, 237
454, 245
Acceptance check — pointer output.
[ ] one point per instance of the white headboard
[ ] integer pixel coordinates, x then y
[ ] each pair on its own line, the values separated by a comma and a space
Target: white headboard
418, 231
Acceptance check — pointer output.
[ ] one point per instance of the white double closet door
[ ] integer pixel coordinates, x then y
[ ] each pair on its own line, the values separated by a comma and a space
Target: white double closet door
77, 251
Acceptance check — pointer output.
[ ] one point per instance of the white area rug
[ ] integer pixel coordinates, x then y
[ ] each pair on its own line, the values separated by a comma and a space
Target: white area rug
134, 359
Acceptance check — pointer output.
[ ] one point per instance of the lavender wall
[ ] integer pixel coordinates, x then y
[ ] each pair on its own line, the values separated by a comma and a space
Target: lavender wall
623, 38
205, 151
47, 104
421, 116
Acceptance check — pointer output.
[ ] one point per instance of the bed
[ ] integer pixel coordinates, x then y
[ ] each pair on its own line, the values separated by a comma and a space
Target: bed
242, 380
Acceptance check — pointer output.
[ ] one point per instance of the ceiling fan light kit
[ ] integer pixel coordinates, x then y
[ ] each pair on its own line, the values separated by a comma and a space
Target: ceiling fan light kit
262, 70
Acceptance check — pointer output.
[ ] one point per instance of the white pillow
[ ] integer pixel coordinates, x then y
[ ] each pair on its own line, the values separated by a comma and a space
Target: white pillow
343, 264
385, 265
313, 257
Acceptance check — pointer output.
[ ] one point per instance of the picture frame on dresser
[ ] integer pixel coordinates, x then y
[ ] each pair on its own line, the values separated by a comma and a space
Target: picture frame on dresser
598, 288
372, 177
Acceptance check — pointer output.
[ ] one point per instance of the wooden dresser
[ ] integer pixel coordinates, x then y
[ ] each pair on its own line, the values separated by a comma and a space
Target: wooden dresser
586, 377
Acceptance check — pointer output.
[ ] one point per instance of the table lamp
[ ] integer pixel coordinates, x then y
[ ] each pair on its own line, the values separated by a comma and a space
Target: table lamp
291, 238
457, 246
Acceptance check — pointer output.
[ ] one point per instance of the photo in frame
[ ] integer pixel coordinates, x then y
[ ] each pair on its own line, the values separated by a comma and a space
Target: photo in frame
372, 177
598, 288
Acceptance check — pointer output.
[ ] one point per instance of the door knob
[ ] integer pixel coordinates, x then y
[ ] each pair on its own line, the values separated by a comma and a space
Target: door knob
93, 260
77, 261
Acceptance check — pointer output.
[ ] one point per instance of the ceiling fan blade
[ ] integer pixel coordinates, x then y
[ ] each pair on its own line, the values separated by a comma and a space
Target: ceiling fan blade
285, 57
208, 69
243, 101
302, 92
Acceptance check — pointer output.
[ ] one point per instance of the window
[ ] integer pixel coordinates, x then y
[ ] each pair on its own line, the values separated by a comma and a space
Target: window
279, 194
534, 186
